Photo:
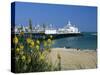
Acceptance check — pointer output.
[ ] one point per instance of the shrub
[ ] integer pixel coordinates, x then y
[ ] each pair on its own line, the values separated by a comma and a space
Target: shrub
30, 56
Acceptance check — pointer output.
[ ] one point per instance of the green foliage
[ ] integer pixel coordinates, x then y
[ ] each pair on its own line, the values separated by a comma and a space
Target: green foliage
30, 57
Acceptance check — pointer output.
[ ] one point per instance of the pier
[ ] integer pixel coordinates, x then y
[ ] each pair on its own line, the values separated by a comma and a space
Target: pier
44, 31
46, 36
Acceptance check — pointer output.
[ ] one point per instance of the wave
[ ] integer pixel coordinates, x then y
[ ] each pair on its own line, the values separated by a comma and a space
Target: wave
94, 34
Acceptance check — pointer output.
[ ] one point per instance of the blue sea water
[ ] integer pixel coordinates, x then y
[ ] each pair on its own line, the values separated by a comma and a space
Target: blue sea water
87, 41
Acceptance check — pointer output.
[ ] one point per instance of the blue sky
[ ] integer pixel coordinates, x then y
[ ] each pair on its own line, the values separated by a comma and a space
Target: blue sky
85, 18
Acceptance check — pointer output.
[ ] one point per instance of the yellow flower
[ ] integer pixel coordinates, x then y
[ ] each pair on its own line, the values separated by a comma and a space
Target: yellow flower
38, 42
15, 40
21, 33
23, 58
17, 49
37, 47
49, 40
42, 57
32, 44
45, 43
28, 40
21, 47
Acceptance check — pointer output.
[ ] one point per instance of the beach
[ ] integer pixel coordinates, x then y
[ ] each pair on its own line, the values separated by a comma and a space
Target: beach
72, 59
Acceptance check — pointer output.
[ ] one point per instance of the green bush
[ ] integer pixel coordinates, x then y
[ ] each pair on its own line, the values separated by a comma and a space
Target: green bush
30, 57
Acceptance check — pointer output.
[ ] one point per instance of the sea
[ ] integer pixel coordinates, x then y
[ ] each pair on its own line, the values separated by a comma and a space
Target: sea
88, 40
